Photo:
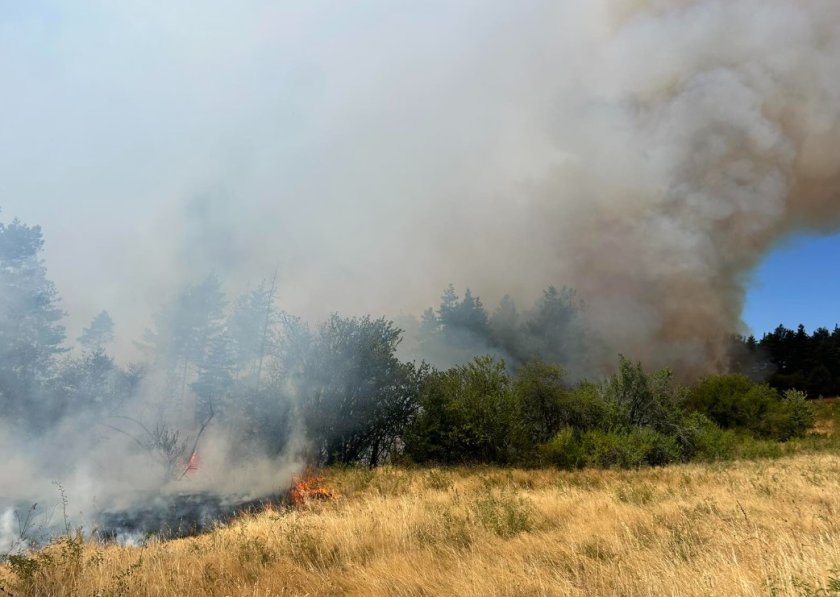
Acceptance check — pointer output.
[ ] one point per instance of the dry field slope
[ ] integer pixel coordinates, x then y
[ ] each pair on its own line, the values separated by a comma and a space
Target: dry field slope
745, 528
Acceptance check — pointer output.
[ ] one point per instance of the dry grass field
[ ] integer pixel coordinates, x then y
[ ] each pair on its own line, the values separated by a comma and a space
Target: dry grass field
766, 527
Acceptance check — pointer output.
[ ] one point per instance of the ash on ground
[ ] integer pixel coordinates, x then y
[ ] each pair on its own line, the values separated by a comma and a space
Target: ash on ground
173, 516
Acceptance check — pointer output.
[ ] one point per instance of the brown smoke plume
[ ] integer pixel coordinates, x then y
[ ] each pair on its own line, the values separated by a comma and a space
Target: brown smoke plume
709, 130
646, 152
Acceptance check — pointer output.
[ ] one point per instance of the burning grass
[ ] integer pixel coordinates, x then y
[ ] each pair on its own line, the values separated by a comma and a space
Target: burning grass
750, 527
744, 528
308, 486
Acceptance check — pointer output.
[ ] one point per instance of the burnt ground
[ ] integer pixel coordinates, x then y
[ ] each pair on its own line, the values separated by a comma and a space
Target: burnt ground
174, 516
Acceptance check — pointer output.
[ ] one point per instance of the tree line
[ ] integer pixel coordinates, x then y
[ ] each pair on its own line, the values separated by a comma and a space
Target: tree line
793, 359
342, 390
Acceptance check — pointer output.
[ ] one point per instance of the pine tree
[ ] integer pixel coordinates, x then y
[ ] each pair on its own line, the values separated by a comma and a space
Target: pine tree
30, 331
99, 333
252, 328
185, 329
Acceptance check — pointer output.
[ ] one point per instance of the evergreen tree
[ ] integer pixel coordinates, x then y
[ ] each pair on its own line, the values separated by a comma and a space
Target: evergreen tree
99, 333
554, 329
448, 305
30, 331
505, 329
253, 329
184, 331
215, 376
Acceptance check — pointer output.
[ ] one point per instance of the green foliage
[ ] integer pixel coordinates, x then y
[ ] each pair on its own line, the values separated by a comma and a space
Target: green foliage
99, 333
467, 414
477, 413
736, 402
645, 400
704, 440
563, 450
627, 449
800, 413
708, 442
794, 358
357, 396
252, 330
543, 401
30, 331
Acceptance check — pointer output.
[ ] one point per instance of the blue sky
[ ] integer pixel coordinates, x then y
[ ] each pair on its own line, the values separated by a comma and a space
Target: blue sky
796, 283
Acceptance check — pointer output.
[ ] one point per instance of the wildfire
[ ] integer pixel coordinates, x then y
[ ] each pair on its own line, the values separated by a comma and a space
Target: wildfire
191, 465
309, 485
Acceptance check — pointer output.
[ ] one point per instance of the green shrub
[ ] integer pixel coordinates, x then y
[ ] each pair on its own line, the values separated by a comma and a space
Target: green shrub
563, 450
642, 399
702, 439
542, 401
800, 414
467, 414
545, 406
736, 402
708, 442
750, 448
587, 407
595, 448
631, 449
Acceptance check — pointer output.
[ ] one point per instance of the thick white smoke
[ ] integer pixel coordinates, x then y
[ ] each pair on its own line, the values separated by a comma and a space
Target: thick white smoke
647, 153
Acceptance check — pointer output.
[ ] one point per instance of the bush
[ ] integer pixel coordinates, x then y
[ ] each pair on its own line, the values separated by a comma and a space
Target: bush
587, 407
563, 450
704, 440
467, 414
800, 415
708, 442
542, 401
736, 402
545, 406
645, 399
631, 449
477, 413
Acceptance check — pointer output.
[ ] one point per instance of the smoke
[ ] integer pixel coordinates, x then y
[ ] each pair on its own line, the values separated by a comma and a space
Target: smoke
710, 131
85, 474
646, 153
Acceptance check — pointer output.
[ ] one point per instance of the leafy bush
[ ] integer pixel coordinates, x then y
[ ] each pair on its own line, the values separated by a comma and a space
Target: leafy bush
704, 440
645, 399
545, 406
629, 449
563, 450
467, 414
477, 413
587, 407
542, 401
708, 442
800, 415
736, 402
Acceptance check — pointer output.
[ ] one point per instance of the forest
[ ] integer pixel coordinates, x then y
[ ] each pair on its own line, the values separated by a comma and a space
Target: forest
347, 391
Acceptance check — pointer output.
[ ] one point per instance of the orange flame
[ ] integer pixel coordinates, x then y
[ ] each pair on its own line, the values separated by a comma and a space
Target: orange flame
192, 464
309, 486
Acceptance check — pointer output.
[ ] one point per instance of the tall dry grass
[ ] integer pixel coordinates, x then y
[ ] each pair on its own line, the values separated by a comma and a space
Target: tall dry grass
746, 528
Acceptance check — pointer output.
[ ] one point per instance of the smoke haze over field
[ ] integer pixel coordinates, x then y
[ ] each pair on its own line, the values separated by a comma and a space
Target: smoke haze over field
647, 153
